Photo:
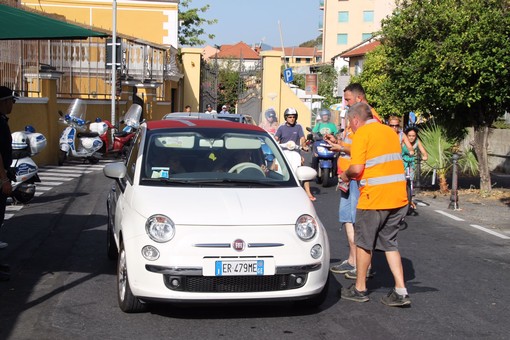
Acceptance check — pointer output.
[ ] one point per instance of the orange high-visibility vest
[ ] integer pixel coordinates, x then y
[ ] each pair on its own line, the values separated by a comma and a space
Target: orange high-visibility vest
382, 183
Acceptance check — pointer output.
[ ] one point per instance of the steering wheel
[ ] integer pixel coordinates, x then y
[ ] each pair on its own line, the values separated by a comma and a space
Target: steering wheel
245, 165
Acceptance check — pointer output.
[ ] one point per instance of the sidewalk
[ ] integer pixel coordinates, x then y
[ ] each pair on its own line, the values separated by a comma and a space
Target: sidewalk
491, 212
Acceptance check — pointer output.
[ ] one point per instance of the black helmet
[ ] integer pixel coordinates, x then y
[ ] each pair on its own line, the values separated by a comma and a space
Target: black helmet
270, 113
324, 112
290, 111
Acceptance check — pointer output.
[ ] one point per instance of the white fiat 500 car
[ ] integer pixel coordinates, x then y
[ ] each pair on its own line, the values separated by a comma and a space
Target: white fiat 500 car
211, 211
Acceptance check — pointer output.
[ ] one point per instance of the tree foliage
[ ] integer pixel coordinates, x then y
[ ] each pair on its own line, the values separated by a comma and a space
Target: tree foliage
191, 24
449, 59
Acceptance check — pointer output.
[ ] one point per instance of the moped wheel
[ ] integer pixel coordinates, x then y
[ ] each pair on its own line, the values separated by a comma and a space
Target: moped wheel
61, 157
325, 177
23, 196
93, 160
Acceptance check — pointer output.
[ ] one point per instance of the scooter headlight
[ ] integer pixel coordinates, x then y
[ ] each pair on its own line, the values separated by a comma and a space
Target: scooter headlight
306, 227
160, 228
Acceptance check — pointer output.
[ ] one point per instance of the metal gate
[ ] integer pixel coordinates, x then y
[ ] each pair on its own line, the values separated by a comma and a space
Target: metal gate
249, 90
208, 85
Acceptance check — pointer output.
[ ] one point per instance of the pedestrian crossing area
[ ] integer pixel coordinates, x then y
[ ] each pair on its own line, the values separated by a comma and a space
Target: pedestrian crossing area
52, 176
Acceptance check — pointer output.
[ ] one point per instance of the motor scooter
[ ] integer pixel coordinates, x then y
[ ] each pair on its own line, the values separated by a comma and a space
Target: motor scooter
325, 163
75, 141
122, 139
25, 145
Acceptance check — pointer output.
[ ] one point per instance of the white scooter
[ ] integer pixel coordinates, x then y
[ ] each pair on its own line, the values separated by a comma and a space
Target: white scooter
75, 141
25, 144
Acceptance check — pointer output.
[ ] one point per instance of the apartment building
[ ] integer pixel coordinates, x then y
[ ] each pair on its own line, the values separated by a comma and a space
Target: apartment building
347, 23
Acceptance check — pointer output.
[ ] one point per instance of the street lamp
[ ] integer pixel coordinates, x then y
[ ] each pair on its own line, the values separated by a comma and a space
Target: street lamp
114, 62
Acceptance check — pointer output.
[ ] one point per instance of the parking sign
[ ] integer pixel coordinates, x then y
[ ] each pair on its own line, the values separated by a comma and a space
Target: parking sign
287, 75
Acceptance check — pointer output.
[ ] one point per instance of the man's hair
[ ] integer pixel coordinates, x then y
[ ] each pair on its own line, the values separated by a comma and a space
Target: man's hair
394, 118
356, 89
187, 106
360, 110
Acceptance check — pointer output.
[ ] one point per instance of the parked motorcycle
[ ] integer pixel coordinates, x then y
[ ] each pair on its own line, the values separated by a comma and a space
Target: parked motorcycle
25, 145
325, 159
75, 141
122, 139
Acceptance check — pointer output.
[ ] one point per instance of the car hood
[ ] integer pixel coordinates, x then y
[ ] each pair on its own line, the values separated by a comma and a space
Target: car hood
224, 206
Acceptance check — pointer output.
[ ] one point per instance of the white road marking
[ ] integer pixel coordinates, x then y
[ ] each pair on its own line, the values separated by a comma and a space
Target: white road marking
8, 216
13, 207
44, 179
40, 187
490, 231
51, 173
449, 215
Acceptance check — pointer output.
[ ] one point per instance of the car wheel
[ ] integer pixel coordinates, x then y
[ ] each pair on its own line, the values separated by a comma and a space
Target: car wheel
111, 247
128, 303
317, 300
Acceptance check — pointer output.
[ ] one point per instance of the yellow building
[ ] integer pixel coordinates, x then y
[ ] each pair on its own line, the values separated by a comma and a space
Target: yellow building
348, 23
154, 21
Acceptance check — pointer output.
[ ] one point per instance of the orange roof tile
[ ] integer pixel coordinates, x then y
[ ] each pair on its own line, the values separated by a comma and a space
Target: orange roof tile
237, 51
362, 50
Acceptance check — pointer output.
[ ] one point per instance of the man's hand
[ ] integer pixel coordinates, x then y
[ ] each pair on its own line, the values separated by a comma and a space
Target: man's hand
7, 188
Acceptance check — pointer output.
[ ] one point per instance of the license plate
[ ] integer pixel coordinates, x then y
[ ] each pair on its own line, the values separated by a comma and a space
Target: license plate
244, 267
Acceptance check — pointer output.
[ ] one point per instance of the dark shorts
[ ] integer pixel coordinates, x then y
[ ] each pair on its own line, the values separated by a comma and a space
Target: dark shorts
378, 229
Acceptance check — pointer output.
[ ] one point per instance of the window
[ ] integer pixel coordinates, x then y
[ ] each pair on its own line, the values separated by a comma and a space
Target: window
343, 16
366, 36
368, 16
298, 60
341, 39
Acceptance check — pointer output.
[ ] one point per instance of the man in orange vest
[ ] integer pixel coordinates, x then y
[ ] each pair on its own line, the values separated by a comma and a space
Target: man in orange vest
353, 93
376, 163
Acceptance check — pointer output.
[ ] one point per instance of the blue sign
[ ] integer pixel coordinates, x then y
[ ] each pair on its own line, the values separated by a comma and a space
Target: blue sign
287, 75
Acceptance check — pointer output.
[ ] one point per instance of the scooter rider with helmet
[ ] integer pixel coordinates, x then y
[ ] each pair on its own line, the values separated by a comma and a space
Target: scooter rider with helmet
325, 116
291, 131
270, 124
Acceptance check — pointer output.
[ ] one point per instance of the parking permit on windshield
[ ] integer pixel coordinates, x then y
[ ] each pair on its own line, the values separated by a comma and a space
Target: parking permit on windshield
160, 172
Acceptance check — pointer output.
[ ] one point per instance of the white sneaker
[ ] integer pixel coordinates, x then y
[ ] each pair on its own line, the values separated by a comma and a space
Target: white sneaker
3, 245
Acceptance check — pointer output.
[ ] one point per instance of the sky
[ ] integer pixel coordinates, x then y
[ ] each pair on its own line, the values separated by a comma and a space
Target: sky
257, 21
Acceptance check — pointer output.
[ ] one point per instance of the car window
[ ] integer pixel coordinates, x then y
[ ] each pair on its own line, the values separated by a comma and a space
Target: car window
214, 157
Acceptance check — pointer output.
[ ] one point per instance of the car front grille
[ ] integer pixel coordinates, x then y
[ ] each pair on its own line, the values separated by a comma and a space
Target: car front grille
235, 284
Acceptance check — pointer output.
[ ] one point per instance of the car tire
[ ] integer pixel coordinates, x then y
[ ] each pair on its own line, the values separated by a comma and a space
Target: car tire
128, 303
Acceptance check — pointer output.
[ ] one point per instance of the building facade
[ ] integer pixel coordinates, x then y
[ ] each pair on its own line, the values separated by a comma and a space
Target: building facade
347, 23
154, 21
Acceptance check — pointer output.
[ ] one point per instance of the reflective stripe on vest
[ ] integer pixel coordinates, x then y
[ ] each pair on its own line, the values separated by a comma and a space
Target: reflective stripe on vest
383, 180
383, 159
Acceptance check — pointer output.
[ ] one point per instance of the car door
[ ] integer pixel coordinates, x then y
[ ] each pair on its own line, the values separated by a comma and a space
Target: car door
124, 186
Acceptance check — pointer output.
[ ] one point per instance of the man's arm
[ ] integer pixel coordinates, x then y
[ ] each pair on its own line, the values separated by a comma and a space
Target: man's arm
408, 144
4, 180
354, 171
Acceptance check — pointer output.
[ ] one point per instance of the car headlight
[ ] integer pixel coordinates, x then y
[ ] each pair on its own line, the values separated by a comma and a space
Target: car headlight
160, 228
306, 227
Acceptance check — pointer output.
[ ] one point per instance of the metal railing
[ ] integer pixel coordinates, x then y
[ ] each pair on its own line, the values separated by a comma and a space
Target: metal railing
80, 66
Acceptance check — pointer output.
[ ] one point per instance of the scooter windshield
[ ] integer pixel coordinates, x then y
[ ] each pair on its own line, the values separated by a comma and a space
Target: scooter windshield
132, 116
76, 113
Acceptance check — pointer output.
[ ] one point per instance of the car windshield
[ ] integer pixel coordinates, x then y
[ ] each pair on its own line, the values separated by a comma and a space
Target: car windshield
213, 157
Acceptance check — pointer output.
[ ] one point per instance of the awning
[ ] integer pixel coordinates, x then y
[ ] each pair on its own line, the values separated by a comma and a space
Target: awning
18, 24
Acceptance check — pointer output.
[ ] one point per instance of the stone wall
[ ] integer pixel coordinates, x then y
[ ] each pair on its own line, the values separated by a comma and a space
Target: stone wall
499, 149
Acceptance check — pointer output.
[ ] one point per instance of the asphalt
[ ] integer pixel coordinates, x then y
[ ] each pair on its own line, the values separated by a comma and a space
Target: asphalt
491, 211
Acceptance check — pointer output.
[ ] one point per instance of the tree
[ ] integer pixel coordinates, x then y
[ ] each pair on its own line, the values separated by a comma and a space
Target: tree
450, 58
190, 24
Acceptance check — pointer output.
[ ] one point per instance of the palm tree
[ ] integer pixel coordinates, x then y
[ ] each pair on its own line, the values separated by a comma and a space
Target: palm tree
440, 148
